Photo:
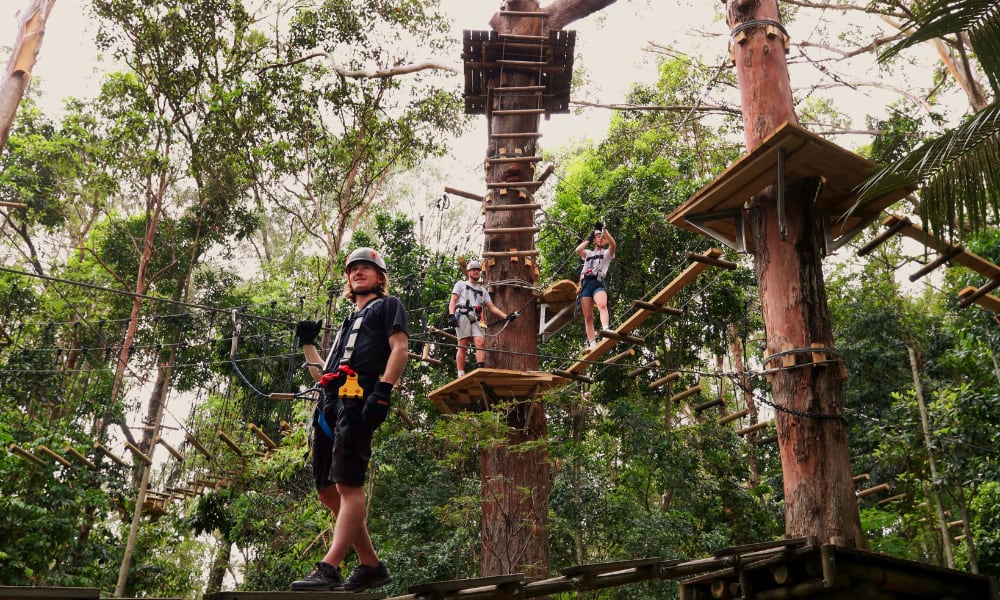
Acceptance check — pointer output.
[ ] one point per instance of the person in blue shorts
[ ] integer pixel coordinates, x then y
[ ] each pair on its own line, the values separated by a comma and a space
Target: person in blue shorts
363, 365
595, 269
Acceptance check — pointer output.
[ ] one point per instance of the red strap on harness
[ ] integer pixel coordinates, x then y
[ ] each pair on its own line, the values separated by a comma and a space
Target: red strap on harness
329, 378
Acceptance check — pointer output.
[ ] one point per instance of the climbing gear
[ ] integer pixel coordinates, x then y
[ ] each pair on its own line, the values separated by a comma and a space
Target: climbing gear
349, 387
307, 331
368, 255
324, 425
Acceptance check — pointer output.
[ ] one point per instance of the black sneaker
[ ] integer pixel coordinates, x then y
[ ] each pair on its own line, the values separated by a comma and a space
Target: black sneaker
364, 577
325, 577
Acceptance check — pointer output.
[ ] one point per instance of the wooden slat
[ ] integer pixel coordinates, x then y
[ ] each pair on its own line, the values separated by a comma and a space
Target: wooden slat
53, 455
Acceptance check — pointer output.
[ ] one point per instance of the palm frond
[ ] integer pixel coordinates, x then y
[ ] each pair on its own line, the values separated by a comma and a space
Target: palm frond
940, 18
958, 173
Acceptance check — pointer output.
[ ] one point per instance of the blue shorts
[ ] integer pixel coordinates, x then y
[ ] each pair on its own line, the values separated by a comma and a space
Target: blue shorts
592, 285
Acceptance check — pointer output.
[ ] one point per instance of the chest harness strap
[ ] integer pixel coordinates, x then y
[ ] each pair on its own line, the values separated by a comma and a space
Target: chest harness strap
350, 387
591, 263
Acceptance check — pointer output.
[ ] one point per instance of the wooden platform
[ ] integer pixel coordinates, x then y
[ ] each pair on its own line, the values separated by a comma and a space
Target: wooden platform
287, 595
556, 307
10, 592
716, 210
551, 57
476, 390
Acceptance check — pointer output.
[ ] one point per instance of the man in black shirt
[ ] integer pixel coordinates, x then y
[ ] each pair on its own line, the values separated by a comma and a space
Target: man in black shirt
363, 365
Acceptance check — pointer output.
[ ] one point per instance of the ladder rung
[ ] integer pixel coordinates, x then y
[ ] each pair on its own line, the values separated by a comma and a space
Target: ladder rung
522, 63
518, 111
523, 38
515, 136
505, 254
518, 89
513, 159
512, 206
515, 184
517, 13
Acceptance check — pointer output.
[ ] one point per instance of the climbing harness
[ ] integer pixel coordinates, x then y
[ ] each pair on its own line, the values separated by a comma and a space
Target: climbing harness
349, 388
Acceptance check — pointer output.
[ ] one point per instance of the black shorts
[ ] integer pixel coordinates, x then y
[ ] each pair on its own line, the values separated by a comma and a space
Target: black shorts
344, 459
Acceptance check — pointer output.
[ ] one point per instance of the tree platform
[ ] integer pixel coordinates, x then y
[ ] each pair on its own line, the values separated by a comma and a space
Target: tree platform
478, 390
555, 307
790, 152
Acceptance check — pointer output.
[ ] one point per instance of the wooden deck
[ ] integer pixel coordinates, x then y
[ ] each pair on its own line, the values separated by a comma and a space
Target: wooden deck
477, 390
716, 209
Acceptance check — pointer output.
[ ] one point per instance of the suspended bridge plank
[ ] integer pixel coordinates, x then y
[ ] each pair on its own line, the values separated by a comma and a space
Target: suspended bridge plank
287, 595
53, 455
986, 300
15, 449
466, 392
965, 258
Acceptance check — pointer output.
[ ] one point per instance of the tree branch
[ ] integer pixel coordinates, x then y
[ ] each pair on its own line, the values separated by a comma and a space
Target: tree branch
363, 74
563, 12
658, 107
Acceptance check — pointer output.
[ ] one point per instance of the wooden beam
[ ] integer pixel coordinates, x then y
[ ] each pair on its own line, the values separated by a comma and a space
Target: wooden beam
574, 376
621, 337
733, 416
100, 448
662, 381
707, 405
262, 436
138, 453
764, 441
620, 356
657, 308
691, 391
937, 262
890, 499
979, 293
642, 369
892, 230
25, 454
505, 254
860, 478
709, 260
988, 301
755, 427
469, 195
197, 446
53, 455
882, 487
502, 230
229, 442
494, 207
442, 333
80, 457
173, 451
6, 204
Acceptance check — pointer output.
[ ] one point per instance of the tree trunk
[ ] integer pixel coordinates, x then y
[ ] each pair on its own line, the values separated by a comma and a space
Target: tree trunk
515, 482
812, 433
515, 522
30, 31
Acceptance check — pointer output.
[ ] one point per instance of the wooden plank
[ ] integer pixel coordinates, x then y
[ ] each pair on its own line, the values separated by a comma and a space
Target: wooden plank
263, 437
986, 301
173, 451
453, 585
734, 416
80, 457
10, 592
287, 595
15, 449
53, 455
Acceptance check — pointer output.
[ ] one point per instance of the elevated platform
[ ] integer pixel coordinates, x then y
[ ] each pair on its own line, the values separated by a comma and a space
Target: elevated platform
479, 389
790, 152
486, 54
555, 308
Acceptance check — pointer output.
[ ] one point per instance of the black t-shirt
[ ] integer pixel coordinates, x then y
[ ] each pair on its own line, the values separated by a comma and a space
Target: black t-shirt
371, 349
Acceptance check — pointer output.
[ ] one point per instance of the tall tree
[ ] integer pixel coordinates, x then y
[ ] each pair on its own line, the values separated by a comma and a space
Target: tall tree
812, 431
515, 476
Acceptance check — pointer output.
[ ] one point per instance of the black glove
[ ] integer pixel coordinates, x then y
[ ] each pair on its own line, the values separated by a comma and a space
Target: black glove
510, 317
452, 321
307, 331
590, 238
376, 407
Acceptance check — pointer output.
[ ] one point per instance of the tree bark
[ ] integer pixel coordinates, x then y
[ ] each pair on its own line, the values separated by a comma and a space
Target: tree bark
812, 433
30, 31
